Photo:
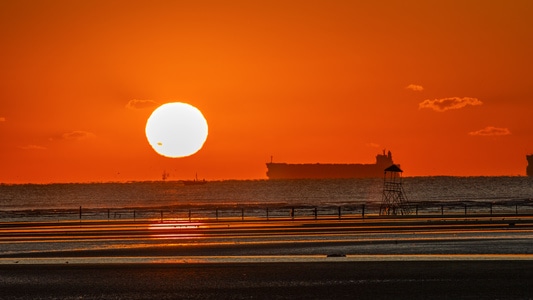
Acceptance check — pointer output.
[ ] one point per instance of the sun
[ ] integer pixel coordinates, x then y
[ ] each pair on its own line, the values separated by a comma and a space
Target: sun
176, 129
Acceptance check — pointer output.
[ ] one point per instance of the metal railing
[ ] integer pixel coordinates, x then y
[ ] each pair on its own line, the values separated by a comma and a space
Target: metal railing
267, 213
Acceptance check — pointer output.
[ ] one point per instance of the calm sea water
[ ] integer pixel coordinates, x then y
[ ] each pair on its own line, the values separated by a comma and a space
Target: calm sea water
260, 192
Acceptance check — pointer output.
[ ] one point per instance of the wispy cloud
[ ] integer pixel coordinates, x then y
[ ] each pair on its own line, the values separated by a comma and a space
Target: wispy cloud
2, 119
445, 104
77, 135
372, 145
415, 87
32, 147
491, 131
140, 104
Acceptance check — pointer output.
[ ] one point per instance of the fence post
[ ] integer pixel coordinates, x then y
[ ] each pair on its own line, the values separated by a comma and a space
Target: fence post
363, 211
516, 209
292, 213
417, 209
242, 214
189, 215
442, 210
80, 213
267, 213
161, 216
134, 215
339, 212
108, 214
491, 208
316, 214
216, 213
465, 209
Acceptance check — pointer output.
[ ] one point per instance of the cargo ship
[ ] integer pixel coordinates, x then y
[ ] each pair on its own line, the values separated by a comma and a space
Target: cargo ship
529, 168
321, 170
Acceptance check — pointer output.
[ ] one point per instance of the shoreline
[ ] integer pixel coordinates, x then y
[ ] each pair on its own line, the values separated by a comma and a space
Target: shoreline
269, 259
271, 240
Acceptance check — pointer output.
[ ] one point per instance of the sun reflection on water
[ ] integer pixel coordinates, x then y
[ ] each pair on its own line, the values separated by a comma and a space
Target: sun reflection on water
176, 225
176, 230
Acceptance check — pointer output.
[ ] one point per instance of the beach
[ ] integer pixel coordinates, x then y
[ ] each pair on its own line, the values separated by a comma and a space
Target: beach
402, 258
316, 280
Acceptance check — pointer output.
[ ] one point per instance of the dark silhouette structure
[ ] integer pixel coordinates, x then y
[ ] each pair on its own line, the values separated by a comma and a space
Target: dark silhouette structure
529, 169
194, 182
393, 200
319, 170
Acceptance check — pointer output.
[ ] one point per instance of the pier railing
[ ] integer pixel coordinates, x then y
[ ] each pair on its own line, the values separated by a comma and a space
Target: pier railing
268, 213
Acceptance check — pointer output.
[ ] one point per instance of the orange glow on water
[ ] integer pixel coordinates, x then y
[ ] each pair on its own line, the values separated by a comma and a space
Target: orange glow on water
185, 225
176, 230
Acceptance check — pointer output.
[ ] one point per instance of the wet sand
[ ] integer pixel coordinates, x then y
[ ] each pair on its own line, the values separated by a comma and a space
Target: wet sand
380, 259
413, 236
335, 280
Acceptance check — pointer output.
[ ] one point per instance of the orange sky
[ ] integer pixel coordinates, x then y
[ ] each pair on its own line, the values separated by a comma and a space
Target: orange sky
445, 85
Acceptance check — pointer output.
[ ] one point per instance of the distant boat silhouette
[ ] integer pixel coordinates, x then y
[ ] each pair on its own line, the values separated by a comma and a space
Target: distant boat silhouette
320, 170
194, 182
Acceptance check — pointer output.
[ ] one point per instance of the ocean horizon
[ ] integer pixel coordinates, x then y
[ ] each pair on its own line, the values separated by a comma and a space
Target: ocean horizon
305, 192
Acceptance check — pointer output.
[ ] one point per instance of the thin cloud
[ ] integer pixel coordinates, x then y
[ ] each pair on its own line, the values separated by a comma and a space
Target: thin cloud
415, 87
491, 131
372, 145
77, 135
32, 147
2, 119
140, 104
445, 104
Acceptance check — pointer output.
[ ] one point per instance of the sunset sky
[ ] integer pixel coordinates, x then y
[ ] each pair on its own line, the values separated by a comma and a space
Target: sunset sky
447, 86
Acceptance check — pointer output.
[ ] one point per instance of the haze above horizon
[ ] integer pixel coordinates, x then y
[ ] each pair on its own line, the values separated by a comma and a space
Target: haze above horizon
444, 85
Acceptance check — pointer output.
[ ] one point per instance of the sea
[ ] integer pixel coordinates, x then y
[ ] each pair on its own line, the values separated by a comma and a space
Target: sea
168, 195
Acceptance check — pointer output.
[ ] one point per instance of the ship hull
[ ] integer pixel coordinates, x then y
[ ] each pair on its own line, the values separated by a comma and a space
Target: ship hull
319, 171
529, 169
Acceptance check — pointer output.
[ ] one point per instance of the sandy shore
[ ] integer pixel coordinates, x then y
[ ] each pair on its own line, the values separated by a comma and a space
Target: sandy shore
365, 259
335, 280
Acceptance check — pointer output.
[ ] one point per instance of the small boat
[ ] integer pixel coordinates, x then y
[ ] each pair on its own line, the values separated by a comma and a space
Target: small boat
194, 182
